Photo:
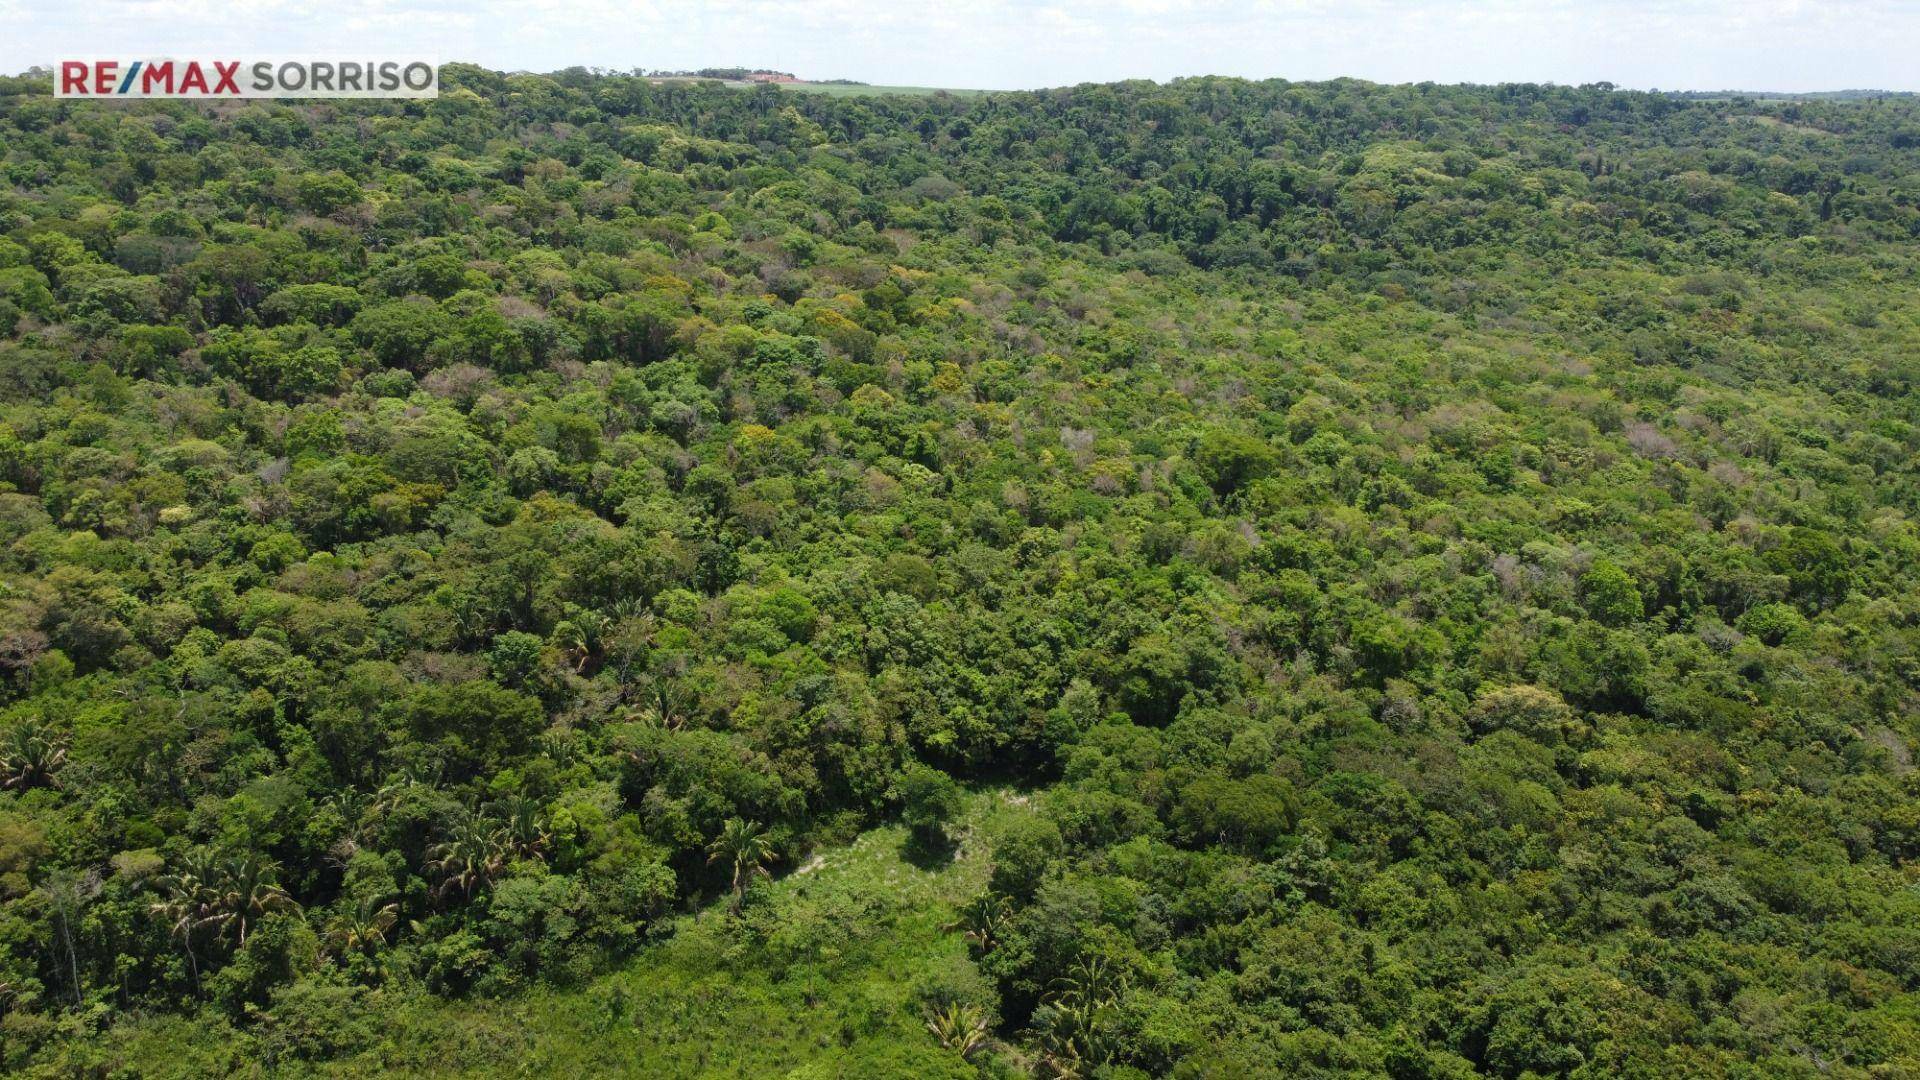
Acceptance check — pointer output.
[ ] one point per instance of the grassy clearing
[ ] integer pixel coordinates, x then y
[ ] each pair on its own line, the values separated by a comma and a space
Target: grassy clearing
830, 89
845, 90
823, 975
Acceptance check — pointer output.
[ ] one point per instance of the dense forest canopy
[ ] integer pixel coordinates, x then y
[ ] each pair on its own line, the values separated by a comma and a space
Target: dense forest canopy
1428, 573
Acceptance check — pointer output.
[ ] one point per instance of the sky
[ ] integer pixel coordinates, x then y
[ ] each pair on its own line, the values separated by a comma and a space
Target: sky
1792, 45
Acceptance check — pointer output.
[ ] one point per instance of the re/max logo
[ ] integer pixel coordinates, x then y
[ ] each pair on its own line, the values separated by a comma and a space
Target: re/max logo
205, 78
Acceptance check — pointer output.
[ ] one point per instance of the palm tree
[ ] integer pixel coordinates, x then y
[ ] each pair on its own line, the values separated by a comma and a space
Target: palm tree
362, 928
667, 672
1078, 1018
190, 902
580, 636
352, 805
399, 788
249, 890
574, 642
470, 857
984, 922
562, 744
30, 756
1091, 981
745, 845
958, 1027
523, 828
